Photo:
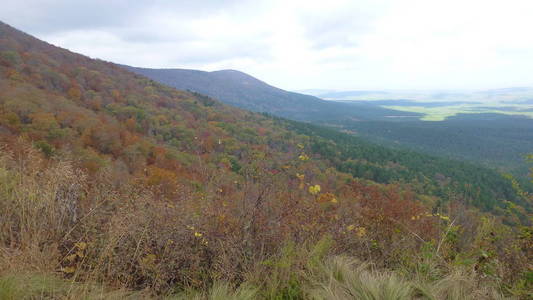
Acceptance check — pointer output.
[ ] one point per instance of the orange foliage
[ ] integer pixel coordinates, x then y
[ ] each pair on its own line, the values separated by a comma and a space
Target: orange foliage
74, 93
163, 181
43, 121
131, 124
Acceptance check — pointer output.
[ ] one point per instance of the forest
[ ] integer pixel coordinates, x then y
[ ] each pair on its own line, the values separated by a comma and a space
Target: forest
114, 186
493, 140
436, 176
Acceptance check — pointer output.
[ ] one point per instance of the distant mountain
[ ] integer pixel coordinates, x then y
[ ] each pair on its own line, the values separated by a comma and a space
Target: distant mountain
490, 95
242, 90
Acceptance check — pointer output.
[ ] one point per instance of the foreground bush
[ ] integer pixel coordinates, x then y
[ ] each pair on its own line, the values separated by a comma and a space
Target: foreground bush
71, 235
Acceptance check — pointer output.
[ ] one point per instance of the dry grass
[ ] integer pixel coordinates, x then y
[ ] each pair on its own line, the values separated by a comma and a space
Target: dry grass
341, 277
346, 278
220, 291
70, 236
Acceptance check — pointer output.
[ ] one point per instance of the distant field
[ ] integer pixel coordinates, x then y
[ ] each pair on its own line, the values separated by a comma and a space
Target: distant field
438, 105
440, 113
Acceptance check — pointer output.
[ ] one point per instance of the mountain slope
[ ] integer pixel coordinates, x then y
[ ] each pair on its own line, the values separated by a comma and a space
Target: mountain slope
110, 179
233, 87
242, 90
371, 162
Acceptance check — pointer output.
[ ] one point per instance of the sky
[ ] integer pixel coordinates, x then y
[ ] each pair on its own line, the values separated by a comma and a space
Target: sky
301, 44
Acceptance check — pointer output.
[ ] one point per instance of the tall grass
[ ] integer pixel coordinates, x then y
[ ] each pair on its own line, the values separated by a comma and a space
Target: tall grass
219, 291
72, 237
341, 277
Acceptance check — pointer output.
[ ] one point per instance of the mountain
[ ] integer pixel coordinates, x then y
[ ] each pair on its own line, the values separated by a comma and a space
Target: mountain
233, 87
244, 91
115, 186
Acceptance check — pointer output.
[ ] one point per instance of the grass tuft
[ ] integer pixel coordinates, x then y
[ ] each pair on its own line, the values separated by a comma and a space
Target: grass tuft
341, 277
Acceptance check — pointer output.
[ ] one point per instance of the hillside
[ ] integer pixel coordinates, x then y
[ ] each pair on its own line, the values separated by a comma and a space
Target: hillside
233, 87
244, 91
115, 186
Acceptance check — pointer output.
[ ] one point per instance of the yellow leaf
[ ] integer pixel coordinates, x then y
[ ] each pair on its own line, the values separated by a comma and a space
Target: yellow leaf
303, 157
81, 245
71, 257
360, 231
314, 189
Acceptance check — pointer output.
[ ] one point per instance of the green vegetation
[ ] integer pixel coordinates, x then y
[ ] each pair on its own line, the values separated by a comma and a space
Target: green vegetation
495, 141
47, 286
443, 112
114, 186
444, 178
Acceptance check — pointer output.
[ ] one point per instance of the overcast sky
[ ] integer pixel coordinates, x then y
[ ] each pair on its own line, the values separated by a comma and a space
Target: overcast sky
293, 44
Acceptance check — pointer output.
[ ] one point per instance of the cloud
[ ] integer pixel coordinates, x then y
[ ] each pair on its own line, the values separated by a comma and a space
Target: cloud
340, 25
45, 17
339, 44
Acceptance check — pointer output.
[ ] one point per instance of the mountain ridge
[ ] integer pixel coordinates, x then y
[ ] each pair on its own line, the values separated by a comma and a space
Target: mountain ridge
230, 86
256, 95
